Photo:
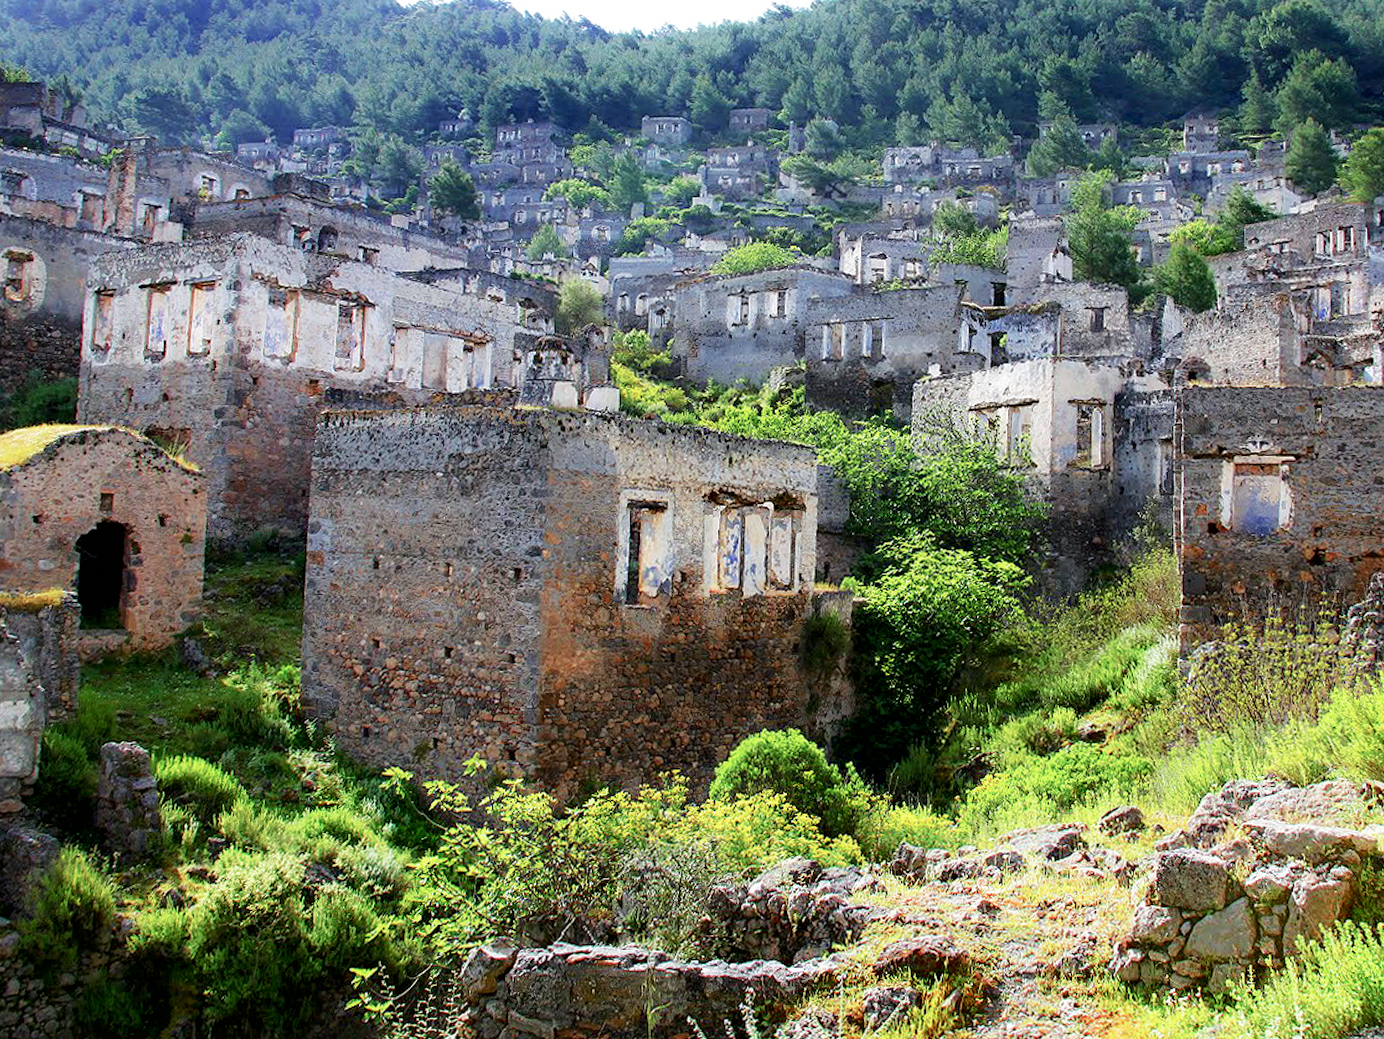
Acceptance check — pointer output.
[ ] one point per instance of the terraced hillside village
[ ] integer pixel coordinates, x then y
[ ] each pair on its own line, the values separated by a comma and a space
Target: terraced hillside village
860, 522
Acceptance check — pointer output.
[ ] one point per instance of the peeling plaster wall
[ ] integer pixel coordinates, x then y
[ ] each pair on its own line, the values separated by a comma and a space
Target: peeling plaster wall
1322, 450
41, 319
865, 352
466, 594
719, 337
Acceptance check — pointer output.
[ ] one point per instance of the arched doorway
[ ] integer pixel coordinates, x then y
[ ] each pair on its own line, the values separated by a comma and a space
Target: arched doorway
101, 555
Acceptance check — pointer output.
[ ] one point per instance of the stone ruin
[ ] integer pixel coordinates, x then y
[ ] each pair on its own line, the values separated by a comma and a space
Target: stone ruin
127, 801
1238, 890
775, 931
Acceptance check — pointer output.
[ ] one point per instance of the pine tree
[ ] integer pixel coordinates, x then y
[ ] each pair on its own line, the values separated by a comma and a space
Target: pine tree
1311, 162
452, 190
1187, 279
1362, 174
1099, 236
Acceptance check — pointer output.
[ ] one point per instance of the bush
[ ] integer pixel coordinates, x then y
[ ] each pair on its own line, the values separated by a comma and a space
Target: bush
73, 908
345, 931
248, 941
789, 764
825, 640
1045, 787
67, 778
755, 832
197, 785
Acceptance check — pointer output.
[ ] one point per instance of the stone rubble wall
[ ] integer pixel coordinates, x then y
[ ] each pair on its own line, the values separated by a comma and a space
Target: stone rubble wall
127, 801
1212, 913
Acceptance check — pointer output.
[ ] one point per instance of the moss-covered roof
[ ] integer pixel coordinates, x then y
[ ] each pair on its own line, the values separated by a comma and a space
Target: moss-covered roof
19, 446
31, 602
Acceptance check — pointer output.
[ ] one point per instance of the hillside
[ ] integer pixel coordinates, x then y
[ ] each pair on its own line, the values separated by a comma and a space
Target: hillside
975, 73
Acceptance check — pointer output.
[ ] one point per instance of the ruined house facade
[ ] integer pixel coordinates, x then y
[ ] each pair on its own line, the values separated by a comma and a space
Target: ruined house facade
740, 326
1278, 499
228, 346
44, 267
581, 598
107, 515
865, 351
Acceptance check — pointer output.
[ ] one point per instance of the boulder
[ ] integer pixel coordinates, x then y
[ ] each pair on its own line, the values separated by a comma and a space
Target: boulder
1225, 935
1314, 904
1119, 821
928, 957
484, 968
1269, 885
1220, 808
1321, 803
1187, 879
1308, 842
1155, 925
1046, 842
888, 1004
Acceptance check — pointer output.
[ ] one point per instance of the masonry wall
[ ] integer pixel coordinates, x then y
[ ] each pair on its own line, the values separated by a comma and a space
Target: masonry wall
865, 352
718, 336
41, 318
242, 384
1278, 498
105, 475
465, 595
1246, 343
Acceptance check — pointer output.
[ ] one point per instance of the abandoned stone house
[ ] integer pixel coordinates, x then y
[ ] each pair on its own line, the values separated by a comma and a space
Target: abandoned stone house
1278, 499
670, 130
749, 120
227, 345
580, 598
35, 109
44, 267
148, 185
300, 214
53, 189
871, 254
740, 326
110, 516
866, 350
1330, 257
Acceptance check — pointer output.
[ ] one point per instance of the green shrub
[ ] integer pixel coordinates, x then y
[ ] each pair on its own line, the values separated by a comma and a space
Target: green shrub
1045, 787
789, 764
248, 941
1334, 989
160, 932
39, 401
197, 785
345, 931
67, 778
884, 830
111, 1010
754, 832
248, 825
825, 640
72, 909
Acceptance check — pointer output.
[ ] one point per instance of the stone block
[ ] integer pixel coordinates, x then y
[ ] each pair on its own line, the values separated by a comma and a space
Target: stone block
1188, 879
1225, 935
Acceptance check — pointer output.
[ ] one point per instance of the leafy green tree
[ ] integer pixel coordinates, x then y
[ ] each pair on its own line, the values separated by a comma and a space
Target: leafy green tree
681, 190
828, 179
398, 166
1186, 278
637, 233
1111, 158
1317, 88
908, 130
952, 218
789, 764
627, 184
578, 304
579, 193
165, 112
1209, 238
1241, 209
545, 242
1362, 174
1311, 161
452, 190
1099, 235
1060, 148
240, 126
1257, 109
710, 108
755, 256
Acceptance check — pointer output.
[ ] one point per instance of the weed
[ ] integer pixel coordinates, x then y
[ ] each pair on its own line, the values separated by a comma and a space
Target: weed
72, 909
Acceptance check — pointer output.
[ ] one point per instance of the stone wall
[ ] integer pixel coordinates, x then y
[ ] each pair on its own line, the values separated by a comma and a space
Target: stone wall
1215, 911
1246, 343
470, 590
21, 724
75, 479
864, 352
252, 335
47, 630
1278, 498
41, 319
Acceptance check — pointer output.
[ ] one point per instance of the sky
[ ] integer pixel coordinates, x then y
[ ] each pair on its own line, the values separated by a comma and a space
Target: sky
622, 15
